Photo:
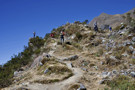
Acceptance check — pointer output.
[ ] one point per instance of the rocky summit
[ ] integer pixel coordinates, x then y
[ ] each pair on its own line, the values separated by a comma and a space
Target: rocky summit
104, 20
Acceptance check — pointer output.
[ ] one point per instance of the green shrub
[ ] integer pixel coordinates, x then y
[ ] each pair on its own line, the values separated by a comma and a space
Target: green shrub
37, 51
37, 42
18, 61
73, 29
78, 36
121, 83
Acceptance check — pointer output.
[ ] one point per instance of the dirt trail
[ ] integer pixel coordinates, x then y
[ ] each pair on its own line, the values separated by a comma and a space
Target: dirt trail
59, 85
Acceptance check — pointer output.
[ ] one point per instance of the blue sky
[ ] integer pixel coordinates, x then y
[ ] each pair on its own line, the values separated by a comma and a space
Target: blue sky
19, 18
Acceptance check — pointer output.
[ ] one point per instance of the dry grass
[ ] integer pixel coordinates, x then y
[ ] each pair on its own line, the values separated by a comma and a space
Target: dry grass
47, 81
47, 60
59, 69
68, 47
74, 87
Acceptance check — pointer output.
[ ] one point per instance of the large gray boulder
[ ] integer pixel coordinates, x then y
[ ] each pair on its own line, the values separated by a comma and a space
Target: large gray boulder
70, 58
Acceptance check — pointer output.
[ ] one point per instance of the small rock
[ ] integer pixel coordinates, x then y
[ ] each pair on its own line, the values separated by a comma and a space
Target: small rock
129, 70
125, 54
82, 87
46, 55
96, 67
84, 69
133, 39
113, 58
114, 71
46, 71
133, 53
70, 65
102, 63
15, 74
131, 48
130, 64
132, 74
74, 57
122, 71
104, 81
41, 64
15, 81
106, 74
70, 58
91, 73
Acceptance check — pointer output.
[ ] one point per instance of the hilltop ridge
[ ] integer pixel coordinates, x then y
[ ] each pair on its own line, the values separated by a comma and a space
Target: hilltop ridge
112, 20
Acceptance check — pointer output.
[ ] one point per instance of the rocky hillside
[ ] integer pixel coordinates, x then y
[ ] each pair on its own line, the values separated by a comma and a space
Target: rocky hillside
103, 60
112, 20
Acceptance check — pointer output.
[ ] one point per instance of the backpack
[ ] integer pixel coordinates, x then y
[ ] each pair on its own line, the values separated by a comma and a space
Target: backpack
63, 33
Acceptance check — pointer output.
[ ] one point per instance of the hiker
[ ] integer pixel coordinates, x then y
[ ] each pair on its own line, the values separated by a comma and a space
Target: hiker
62, 36
34, 34
52, 35
95, 26
110, 28
122, 26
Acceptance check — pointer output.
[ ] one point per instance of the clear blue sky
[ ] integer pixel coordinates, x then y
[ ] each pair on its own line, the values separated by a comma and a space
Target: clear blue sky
19, 18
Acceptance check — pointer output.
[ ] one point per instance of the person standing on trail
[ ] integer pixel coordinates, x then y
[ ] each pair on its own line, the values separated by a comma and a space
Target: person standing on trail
122, 25
52, 35
34, 34
95, 26
62, 36
110, 28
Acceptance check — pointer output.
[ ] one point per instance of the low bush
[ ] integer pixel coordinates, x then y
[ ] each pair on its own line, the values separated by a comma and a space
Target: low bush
121, 83
74, 87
